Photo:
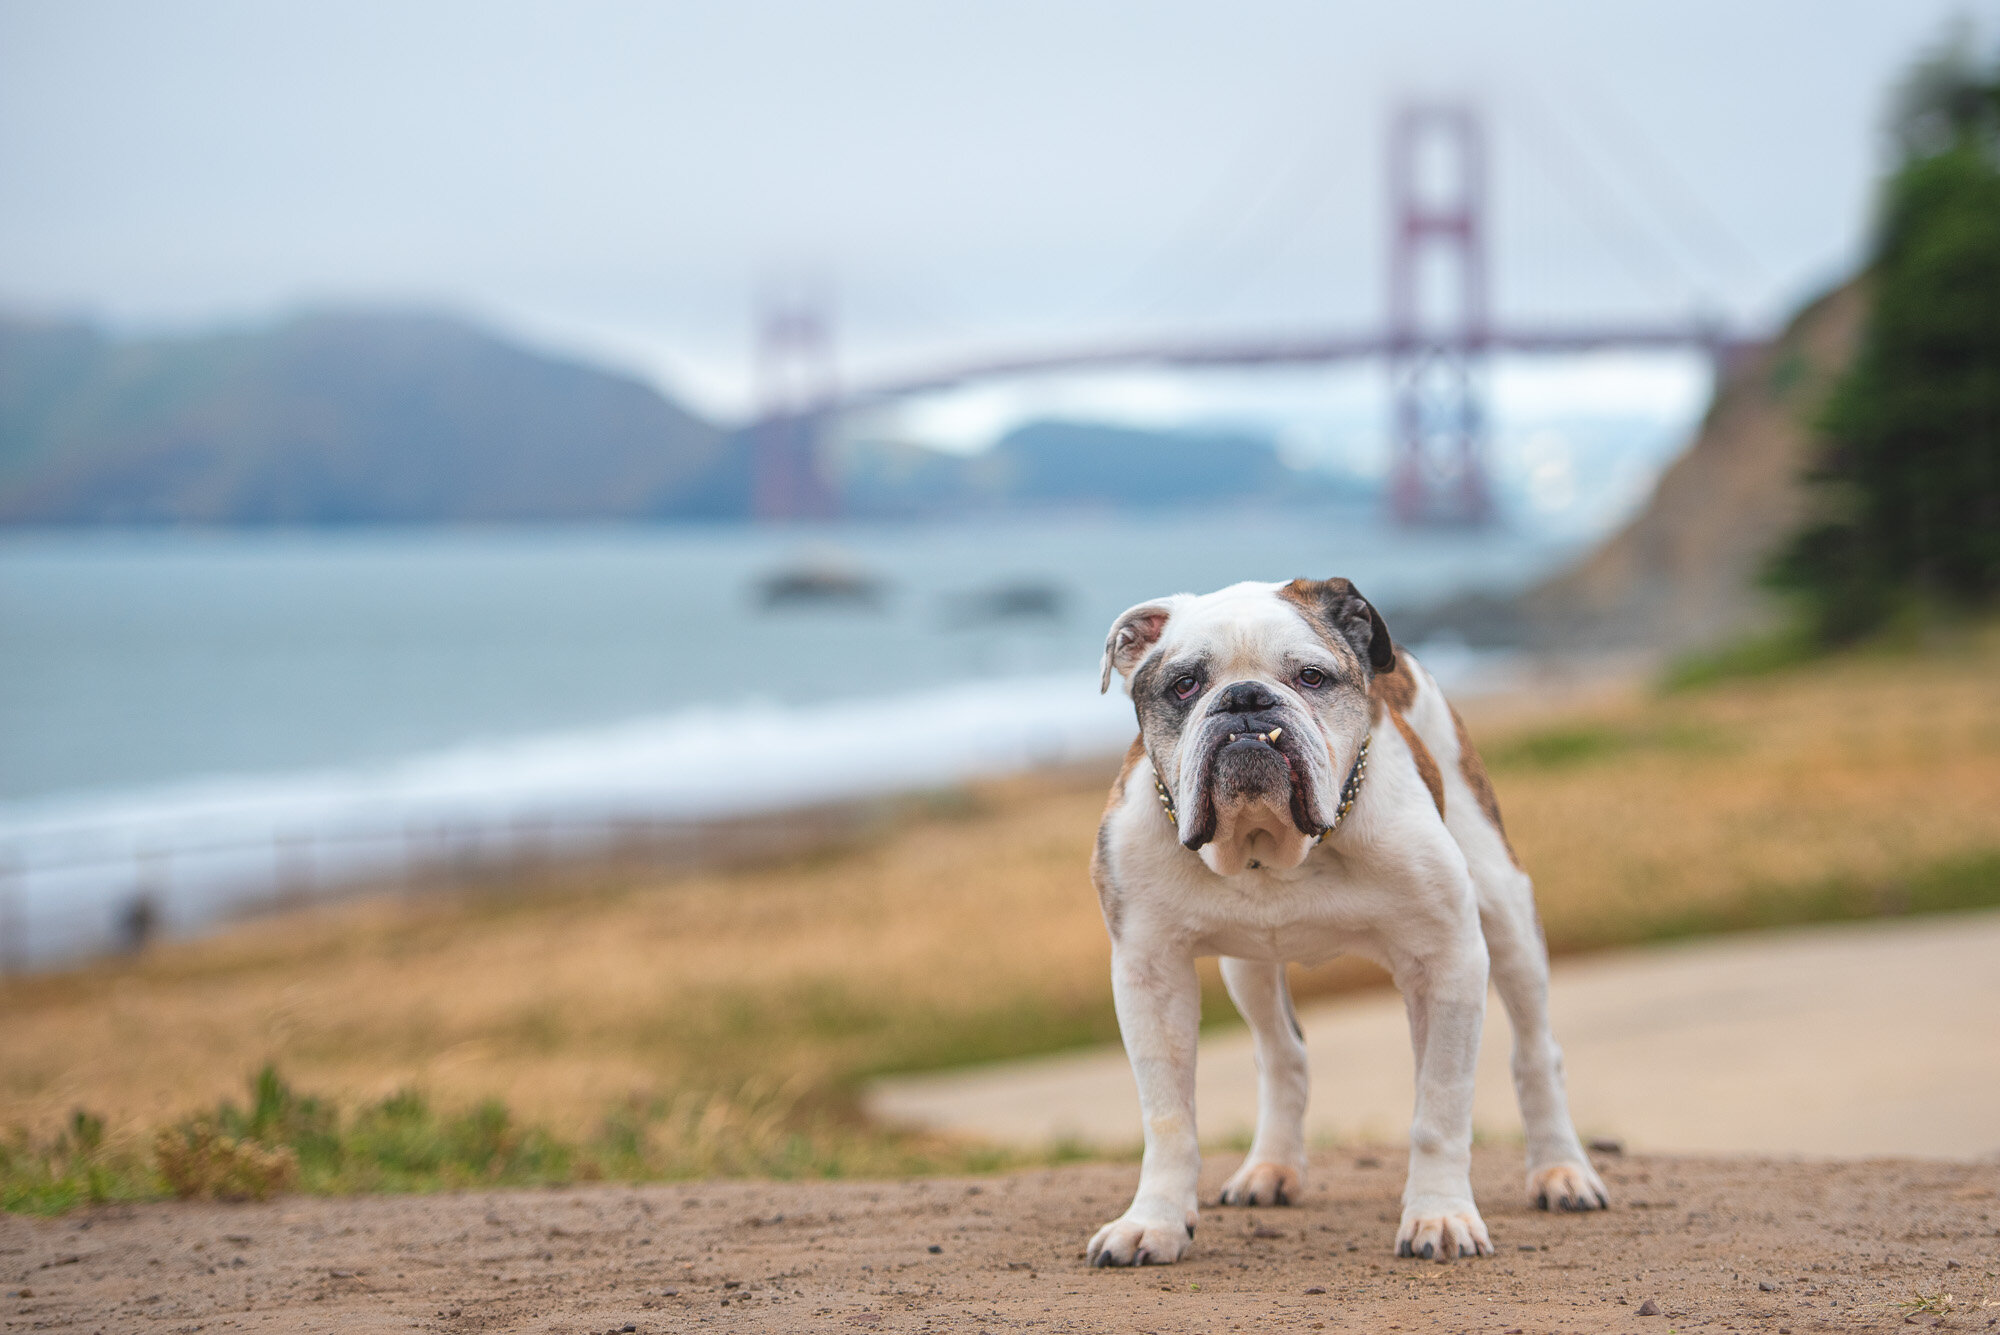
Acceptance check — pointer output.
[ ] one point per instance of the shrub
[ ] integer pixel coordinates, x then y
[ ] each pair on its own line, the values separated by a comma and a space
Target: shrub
1907, 473
198, 1159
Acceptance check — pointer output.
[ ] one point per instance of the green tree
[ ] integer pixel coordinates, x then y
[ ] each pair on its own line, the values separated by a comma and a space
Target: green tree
1907, 473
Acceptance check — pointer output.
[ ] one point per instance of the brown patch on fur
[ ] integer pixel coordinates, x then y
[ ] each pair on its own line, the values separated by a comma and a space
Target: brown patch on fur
1100, 871
1394, 689
1427, 766
1133, 755
1316, 600
1474, 771
1302, 596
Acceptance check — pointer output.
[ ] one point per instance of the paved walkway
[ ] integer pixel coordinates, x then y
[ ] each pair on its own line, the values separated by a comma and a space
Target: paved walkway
1862, 1039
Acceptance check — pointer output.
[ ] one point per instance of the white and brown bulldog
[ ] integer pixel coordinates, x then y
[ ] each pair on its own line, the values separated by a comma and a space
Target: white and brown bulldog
1300, 789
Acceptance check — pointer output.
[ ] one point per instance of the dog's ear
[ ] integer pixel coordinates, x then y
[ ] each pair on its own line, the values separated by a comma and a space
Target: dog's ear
1132, 634
1338, 608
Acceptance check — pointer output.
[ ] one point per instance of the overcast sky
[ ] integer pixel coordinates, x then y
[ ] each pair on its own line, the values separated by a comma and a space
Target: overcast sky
622, 178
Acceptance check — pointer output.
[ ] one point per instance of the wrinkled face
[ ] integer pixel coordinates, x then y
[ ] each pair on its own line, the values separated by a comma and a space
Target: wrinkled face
1252, 702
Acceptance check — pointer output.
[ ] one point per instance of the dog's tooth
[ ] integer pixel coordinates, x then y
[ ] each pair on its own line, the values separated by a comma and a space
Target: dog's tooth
1274, 734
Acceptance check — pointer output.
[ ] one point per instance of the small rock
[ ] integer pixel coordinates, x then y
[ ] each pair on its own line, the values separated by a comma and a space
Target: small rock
1524, 1246
670, 1293
935, 1250
1767, 1286
340, 1274
1951, 1265
1649, 1308
1316, 1289
1368, 1161
1605, 1145
1262, 1232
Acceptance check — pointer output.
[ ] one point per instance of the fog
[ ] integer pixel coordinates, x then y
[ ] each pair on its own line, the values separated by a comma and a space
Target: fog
621, 179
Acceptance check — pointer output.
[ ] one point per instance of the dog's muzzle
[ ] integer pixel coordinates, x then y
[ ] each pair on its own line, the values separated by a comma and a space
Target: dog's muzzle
1246, 749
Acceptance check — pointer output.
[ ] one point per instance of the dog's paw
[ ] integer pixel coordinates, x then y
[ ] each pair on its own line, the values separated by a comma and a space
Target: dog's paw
1262, 1183
1439, 1234
1136, 1240
1567, 1186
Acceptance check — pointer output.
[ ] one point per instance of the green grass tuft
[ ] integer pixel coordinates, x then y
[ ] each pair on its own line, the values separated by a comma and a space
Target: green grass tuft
1954, 886
1576, 744
281, 1140
1756, 656
73, 1167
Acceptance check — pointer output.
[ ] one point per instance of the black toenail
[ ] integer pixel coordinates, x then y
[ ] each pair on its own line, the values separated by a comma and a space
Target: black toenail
1403, 1249
1429, 1252
1542, 1201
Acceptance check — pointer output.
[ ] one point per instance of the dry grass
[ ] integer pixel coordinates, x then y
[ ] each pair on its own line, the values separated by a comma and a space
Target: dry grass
972, 932
1868, 771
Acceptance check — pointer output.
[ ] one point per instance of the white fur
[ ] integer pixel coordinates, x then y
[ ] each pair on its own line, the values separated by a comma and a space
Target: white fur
1437, 902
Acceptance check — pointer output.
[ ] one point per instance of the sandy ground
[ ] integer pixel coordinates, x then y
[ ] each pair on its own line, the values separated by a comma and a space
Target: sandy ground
1878, 1038
1721, 1244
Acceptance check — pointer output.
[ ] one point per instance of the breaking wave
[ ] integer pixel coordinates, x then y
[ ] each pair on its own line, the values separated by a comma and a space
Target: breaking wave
75, 870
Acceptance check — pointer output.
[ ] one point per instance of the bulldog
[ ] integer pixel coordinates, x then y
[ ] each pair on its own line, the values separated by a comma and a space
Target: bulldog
1300, 789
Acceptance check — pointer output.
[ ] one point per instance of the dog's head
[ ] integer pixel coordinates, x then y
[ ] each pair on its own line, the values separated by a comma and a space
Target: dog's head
1253, 703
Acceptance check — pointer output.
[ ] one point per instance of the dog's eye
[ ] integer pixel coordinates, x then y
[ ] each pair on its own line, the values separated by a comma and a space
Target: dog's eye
1312, 678
1186, 686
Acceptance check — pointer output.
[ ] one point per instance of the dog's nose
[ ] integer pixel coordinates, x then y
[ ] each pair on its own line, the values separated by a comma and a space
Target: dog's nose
1245, 697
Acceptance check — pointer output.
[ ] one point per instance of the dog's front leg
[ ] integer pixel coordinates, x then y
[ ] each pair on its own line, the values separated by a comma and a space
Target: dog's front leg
1445, 995
1159, 1014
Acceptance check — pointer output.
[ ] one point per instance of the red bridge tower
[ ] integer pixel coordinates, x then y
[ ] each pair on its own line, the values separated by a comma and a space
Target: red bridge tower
797, 395
1437, 330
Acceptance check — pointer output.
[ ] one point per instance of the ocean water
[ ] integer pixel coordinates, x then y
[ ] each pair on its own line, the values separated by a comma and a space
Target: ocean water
191, 717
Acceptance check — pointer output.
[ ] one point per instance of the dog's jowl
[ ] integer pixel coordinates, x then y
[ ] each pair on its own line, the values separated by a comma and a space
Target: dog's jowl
1300, 789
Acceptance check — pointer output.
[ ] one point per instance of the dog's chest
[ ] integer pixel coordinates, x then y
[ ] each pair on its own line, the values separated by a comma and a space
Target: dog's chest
1264, 917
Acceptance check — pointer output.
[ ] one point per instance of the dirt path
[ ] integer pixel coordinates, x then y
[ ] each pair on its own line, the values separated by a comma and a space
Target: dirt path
1874, 1038
1731, 1244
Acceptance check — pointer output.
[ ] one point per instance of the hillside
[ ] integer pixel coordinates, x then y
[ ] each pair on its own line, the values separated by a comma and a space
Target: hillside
328, 418
396, 417
1684, 571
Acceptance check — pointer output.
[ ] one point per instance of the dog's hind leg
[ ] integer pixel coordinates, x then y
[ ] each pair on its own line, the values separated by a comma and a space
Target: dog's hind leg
1274, 1171
1559, 1173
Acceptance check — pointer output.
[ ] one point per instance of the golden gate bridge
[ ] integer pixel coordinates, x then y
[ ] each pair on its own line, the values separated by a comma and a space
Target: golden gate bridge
1434, 341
